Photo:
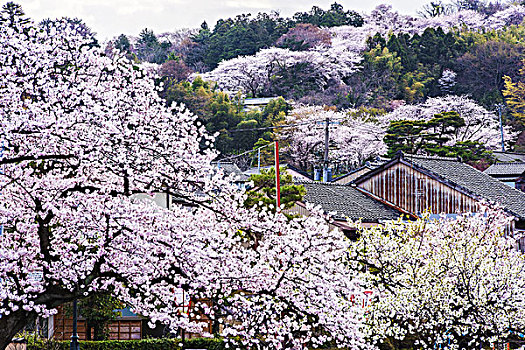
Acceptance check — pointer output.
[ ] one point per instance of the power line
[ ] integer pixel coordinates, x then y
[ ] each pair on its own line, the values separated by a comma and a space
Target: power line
242, 154
270, 127
319, 121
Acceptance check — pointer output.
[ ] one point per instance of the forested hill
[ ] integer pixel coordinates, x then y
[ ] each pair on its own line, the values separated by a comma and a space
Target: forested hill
402, 76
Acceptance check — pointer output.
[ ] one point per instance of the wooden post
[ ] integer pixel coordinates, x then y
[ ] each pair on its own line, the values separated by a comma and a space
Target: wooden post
277, 177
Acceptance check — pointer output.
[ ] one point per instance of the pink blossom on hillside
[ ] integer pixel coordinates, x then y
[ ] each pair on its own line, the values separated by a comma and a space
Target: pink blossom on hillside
352, 140
255, 74
481, 124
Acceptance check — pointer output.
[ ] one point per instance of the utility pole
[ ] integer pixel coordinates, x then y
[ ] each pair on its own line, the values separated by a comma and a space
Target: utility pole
326, 139
277, 177
259, 160
500, 106
74, 336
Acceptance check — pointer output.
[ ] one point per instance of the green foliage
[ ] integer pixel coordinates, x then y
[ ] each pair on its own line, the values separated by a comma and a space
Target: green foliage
469, 151
408, 66
223, 115
205, 343
267, 153
431, 137
10, 11
377, 81
264, 190
99, 310
35, 343
514, 93
230, 38
405, 136
244, 35
297, 80
423, 59
122, 43
334, 17
275, 111
246, 139
150, 49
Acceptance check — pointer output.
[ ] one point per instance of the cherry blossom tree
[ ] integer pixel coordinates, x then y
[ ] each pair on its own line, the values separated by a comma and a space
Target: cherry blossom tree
332, 63
453, 283
352, 139
85, 141
513, 15
255, 74
447, 82
481, 125
303, 36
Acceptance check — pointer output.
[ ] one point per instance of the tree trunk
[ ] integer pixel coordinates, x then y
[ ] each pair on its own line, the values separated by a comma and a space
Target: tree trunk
88, 330
12, 324
99, 331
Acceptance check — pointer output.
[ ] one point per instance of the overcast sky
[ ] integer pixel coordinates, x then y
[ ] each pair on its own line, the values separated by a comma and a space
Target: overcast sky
109, 18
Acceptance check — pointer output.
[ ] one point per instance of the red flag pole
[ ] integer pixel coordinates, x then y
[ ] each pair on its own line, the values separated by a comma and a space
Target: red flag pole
277, 176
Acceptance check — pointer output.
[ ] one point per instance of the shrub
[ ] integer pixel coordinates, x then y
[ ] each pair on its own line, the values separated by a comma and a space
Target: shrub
35, 343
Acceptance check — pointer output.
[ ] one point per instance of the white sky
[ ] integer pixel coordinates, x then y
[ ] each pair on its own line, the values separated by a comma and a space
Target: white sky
109, 18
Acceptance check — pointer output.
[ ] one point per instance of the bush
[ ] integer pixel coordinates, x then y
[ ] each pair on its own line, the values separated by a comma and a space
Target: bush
143, 344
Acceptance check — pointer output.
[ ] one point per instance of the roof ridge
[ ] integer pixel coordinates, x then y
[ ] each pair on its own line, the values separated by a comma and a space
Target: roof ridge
419, 156
319, 183
510, 162
521, 154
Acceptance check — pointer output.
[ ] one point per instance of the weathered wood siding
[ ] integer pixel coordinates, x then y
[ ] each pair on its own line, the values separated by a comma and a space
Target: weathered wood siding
415, 192
349, 178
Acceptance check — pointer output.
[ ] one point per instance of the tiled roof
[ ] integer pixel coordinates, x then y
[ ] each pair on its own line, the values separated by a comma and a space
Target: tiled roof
258, 101
509, 156
347, 201
473, 181
506, 169
370, 165
232, 168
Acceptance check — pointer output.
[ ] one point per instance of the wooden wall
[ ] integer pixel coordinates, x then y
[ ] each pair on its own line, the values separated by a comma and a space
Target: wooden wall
118, 330
349, 178
415, 192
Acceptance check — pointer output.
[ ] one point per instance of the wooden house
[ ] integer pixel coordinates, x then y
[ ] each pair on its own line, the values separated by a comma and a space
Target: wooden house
507, 172
417, 184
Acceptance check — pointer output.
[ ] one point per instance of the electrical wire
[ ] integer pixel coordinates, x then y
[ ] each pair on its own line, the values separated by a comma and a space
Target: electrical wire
242, 154
292, 125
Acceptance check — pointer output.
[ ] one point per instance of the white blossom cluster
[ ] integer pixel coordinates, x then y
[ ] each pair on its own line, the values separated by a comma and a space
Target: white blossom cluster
255, 74
452, 283
82, 134
384, 20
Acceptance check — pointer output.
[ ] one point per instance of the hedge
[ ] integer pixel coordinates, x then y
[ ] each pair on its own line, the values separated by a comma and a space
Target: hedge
34, 343
143, 344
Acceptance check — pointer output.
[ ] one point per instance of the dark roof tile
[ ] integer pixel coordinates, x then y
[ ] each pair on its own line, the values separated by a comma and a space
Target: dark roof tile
474, 181
502, 169
348, 202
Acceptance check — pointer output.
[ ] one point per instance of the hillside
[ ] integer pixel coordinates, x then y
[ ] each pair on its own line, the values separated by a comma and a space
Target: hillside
362, 64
